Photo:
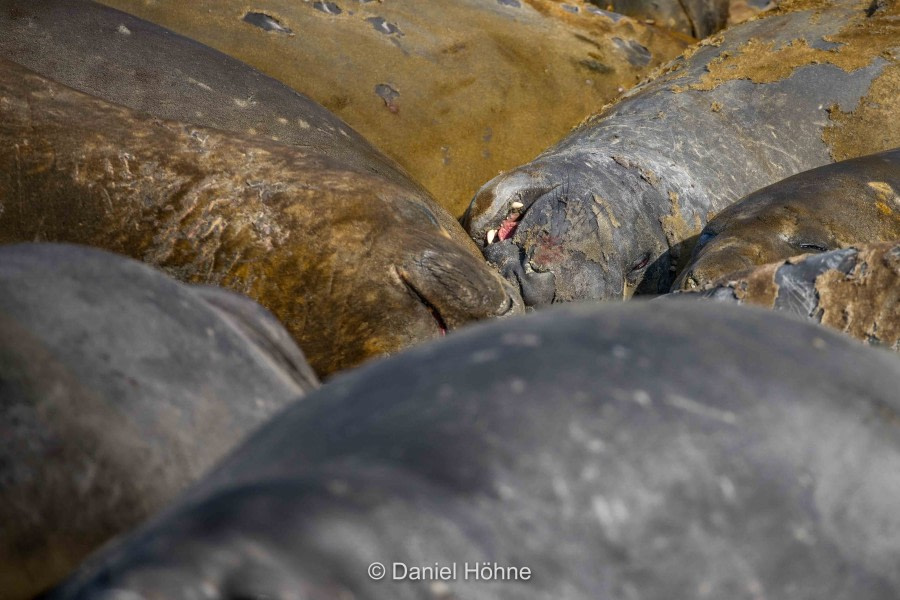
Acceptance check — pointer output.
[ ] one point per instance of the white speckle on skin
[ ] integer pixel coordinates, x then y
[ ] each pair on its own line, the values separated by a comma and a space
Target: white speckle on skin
439, 588
620, 352
208, 589
338, 487
303, 124
610, 514
282, 120
517, 386
483, 356
641, 397
728, 489
245, 103
590, 473
803, 535
697, 408
527, 340
199, 84
123, 30
593, 444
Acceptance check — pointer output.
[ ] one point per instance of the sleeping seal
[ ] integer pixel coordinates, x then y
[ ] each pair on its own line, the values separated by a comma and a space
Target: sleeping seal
352, 263
613, 208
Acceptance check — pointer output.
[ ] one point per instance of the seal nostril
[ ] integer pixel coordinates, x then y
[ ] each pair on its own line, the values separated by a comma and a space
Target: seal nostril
435, 313
538, 289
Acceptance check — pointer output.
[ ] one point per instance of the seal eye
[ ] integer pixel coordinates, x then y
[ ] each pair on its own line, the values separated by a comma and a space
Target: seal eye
816, 247
641, 264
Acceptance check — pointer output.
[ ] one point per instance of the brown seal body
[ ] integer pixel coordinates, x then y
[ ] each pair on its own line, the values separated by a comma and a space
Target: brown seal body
455, 90
850, 202
125, 60
698, 18
855, 290
353, 264
118, 387
614, 208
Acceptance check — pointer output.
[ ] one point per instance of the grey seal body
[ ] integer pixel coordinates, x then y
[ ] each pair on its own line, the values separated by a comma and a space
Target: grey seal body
698, 18
614, 207
645, 450
118, 387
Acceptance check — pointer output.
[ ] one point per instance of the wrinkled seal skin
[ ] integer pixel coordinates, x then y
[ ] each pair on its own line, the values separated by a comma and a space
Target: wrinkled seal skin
455, 90
698, 18
118, 387
855, 290
124, 60
613, 208
849, 202
354, 265
648, 450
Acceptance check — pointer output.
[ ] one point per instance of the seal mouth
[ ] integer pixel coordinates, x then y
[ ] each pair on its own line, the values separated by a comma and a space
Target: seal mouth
412, 289
501, 229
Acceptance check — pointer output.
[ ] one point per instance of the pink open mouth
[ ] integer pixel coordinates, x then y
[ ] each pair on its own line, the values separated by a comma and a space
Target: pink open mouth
508, 227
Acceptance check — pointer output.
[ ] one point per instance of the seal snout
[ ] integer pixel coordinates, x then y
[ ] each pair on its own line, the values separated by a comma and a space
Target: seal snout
457, 288
498, 207
537, 288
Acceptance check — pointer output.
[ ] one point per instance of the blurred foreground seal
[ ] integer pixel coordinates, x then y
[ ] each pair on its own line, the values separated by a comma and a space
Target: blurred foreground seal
640, 450
118, 387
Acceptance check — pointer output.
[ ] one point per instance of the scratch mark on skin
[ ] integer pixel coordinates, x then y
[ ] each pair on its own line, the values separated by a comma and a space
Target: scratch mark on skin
697, 408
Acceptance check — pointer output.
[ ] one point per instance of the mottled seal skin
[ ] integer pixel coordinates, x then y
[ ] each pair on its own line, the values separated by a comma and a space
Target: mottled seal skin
614, 207
849, 202
455, 90
354, 265
855, 290
697, 18
644, 450
125, 60
118, 387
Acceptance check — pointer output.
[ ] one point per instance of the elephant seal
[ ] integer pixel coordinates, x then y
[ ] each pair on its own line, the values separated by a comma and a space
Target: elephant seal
124, 60
118, 387
353, 264
628, 450
855, 290
613, 208
697, 18
454, 90
850, 202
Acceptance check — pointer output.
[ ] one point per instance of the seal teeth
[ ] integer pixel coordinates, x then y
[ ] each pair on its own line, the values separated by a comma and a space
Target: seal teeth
516, 205
491, 234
